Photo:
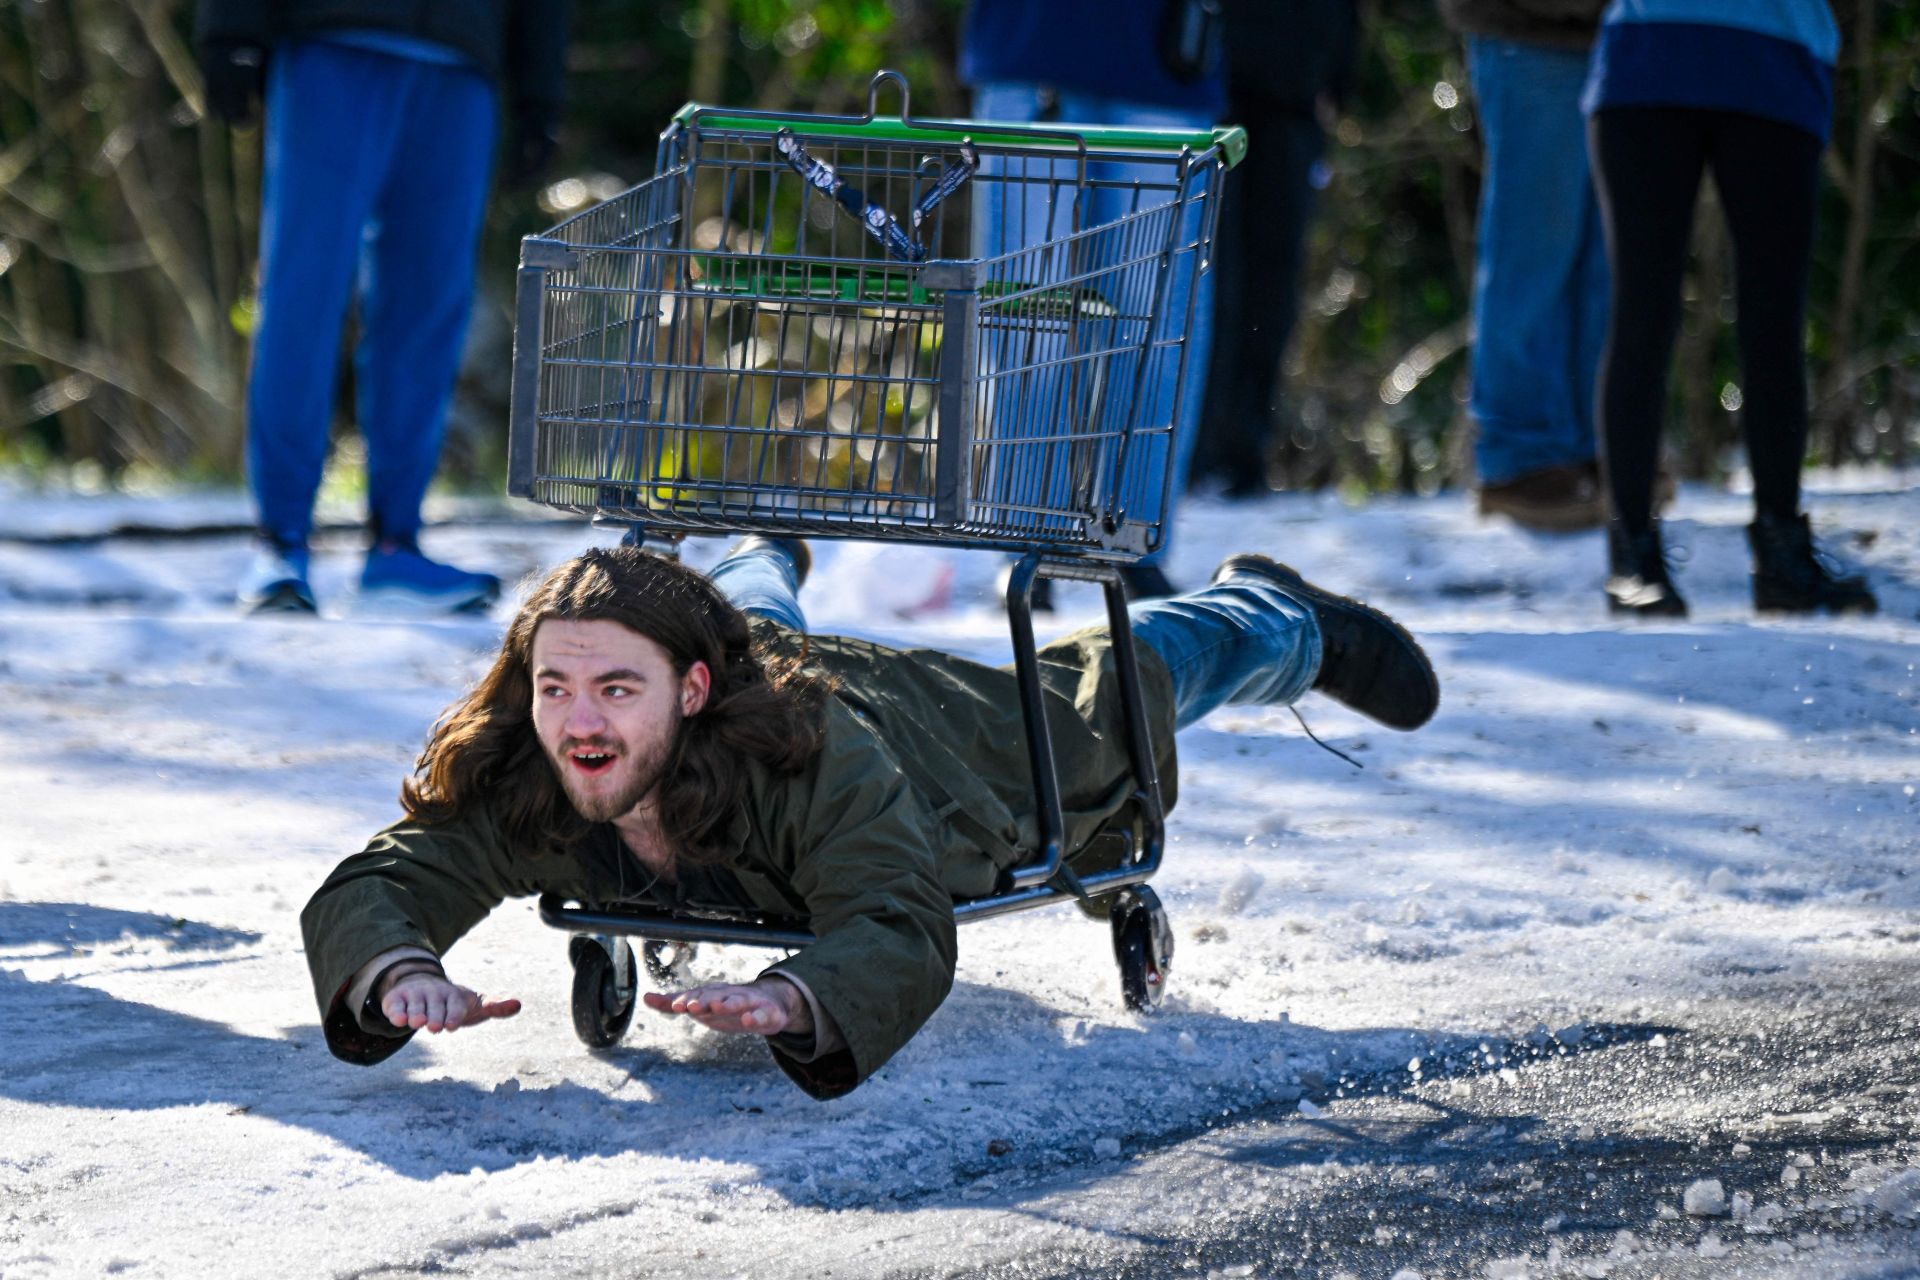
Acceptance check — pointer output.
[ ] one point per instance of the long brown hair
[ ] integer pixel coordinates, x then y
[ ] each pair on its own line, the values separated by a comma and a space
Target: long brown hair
762, 706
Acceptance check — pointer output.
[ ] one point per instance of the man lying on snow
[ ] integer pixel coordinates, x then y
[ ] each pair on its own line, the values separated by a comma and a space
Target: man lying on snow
640, 739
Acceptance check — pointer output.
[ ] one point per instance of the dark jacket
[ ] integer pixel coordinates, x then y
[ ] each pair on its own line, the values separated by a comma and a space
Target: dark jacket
520, 45
1568, 24
1291, 52
921, 794
1096, 47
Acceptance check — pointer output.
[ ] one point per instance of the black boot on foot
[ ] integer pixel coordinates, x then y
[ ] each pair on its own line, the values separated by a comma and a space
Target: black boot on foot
1637, 578
1368, 661
1789, 576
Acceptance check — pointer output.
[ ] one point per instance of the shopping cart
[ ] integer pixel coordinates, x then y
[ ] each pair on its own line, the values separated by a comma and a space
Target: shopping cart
881, 327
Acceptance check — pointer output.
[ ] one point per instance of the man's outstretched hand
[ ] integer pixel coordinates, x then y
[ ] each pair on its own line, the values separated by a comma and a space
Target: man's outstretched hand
764, 1007
427, 1001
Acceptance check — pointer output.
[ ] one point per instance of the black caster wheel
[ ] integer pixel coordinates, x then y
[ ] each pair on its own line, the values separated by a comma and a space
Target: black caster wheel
1143, 944
667, 961
604, 991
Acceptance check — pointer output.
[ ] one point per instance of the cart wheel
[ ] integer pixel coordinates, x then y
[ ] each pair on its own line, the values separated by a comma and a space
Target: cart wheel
603, 994
667, 961
1143, 944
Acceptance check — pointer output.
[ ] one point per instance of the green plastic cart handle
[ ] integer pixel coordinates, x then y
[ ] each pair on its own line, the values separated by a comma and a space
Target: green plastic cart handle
1230, 139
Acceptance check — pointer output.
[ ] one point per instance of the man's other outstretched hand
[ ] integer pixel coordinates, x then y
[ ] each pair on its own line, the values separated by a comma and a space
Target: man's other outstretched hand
764, 1007
427, 1001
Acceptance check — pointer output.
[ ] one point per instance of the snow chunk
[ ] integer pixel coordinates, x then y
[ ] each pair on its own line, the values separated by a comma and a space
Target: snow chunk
1310, 1109
1706, 1199
1723, 880
1106, 1148
1406, 1273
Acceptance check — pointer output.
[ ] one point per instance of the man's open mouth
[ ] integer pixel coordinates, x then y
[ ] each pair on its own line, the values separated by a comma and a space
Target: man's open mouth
591, 763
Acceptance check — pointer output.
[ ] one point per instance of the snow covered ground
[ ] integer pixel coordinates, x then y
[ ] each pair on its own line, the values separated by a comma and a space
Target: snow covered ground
1639, 909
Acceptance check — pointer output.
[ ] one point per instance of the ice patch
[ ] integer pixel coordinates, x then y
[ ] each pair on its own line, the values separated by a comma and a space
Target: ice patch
1898, 1196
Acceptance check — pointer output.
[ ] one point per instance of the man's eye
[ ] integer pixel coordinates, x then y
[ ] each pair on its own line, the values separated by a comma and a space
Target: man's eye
617, 691
552, 691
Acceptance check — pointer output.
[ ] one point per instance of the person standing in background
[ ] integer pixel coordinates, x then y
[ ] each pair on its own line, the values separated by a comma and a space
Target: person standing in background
1145, 64
380, 124
1287, 65
1744, 88
1540, 275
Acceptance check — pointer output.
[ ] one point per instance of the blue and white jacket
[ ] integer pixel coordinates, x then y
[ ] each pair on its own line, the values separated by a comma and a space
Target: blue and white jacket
1767, 58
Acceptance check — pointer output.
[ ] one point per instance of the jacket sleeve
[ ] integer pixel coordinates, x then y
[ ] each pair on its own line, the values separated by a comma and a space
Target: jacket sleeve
412, 886
536, 59
856, 844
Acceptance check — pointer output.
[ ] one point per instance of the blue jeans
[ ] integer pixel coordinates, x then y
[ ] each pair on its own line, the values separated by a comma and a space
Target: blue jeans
1014, 103
377, 167
1243, 642
1540, 286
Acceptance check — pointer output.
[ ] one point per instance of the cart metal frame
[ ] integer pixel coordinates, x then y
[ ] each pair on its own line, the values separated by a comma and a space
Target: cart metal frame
747, 343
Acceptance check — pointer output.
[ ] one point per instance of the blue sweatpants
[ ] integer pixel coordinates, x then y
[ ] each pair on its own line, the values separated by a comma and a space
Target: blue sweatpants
377, 169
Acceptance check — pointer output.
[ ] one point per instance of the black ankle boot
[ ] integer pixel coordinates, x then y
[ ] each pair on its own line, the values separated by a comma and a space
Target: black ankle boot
1637, 578
1367, 660
1789, 576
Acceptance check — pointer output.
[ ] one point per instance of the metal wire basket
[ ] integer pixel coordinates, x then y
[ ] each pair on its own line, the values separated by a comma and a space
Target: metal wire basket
874, 327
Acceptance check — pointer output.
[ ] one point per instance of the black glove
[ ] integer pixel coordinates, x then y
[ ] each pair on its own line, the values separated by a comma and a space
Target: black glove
531, 142
236, 76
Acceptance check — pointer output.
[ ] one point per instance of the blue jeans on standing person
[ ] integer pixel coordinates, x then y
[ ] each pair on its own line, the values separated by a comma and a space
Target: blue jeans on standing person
376, 171
1241, 642
1025, 103
1540, 286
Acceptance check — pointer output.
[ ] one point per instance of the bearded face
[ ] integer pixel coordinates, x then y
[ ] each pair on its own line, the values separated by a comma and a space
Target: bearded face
607, 708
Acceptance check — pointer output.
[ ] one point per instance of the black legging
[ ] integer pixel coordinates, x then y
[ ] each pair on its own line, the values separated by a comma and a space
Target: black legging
1647, 163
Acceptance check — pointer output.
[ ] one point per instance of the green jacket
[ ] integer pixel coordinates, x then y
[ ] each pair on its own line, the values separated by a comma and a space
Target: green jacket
920, 795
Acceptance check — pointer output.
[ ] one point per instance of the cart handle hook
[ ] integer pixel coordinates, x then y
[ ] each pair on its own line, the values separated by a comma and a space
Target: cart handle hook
873, 94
